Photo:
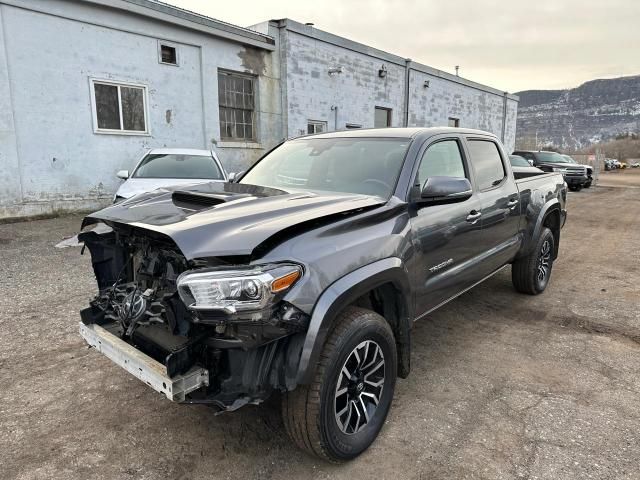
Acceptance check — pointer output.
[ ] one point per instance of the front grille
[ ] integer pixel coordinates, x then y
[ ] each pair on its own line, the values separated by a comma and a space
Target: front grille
575, 171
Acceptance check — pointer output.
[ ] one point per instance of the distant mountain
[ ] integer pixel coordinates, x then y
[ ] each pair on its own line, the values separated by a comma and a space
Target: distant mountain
595, 111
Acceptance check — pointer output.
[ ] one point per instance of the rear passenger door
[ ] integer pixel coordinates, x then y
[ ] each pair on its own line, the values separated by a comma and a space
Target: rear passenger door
499, 200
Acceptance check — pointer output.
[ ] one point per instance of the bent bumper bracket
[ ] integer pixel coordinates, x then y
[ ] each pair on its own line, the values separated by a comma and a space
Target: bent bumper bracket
143, 367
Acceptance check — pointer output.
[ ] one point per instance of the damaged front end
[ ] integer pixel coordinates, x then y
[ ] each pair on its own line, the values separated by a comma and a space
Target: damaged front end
213, 330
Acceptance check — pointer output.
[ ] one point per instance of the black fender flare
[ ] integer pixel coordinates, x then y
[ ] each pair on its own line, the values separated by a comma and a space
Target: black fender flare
345, 291
549, 207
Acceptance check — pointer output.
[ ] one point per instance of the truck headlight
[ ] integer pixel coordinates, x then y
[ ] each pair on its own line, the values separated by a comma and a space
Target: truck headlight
250, 288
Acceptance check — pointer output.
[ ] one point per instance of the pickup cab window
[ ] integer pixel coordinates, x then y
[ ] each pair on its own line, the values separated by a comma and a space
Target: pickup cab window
487, 163
442, 159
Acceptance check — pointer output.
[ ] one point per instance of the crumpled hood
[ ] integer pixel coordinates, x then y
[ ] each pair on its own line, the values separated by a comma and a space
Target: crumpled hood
222, 219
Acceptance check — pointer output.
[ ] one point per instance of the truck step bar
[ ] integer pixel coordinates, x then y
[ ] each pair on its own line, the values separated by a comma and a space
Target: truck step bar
143, 367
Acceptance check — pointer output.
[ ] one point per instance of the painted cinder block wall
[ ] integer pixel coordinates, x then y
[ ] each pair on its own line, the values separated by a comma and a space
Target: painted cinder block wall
312, 93
50, 156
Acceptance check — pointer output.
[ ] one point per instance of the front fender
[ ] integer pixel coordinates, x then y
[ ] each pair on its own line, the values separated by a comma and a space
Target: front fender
342, 293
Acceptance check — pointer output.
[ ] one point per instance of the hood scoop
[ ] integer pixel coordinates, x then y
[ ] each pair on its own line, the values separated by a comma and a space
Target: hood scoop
198, 201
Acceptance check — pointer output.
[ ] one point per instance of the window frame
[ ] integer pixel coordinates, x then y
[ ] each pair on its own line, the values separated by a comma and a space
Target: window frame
116, 83
172, 45
315, 123
500, 154
427, 146
388, 111
254, 117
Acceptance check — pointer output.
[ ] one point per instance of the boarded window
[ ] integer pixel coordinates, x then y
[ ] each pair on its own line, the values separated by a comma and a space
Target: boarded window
168, 54
236, 99
382, 117
119, 107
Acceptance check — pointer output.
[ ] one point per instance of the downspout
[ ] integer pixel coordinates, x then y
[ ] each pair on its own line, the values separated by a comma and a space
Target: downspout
407, 72
335, 117
504, 116
284, 81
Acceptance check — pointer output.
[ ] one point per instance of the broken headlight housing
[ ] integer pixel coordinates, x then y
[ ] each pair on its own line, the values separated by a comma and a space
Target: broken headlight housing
230, 291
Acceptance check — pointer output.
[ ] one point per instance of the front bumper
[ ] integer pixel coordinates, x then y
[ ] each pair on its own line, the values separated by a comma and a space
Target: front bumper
575, 179
143, 367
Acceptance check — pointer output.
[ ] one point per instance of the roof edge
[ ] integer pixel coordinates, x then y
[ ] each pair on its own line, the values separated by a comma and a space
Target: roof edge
168, 13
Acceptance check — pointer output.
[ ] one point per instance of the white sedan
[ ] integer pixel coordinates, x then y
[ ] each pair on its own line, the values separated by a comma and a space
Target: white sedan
165, 167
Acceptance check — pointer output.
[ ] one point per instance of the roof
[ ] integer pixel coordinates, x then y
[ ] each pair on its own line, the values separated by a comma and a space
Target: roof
404, 132
180, 151
188, 19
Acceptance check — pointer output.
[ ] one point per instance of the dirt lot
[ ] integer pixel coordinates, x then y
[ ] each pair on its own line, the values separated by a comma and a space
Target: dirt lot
503, 385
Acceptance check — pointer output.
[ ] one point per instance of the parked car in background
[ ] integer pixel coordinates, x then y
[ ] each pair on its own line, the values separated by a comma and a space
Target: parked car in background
588, 167
308, 281
165, 167
575, 175
635, 165
522, 168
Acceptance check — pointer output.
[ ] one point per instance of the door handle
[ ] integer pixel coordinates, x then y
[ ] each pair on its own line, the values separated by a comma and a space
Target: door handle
473, 216
512, 203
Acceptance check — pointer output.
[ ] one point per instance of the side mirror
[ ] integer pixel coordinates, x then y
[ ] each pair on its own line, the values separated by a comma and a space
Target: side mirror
530, 162
445, 190
233, 176
123, 174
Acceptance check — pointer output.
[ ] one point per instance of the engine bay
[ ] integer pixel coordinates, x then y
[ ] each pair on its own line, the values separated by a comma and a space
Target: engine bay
247, 356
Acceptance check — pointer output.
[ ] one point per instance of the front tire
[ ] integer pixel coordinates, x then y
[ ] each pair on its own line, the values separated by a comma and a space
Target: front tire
339, 415
531, 274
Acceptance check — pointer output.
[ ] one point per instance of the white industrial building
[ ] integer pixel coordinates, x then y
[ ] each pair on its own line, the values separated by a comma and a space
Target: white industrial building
86, 86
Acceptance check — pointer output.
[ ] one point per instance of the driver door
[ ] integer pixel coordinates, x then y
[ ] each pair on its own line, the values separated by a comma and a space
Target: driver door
446, 237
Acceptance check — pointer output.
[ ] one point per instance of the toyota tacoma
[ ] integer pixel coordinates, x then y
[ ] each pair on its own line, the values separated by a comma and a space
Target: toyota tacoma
305, 275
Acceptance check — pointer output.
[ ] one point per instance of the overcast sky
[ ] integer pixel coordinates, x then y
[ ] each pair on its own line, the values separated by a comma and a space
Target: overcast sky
511, 45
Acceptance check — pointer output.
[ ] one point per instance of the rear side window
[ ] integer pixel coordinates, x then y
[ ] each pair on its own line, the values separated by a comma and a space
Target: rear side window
487, 163
442, 159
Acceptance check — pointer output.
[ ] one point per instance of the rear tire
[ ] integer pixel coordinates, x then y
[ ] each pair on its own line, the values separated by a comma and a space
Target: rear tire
339, 415
531, 274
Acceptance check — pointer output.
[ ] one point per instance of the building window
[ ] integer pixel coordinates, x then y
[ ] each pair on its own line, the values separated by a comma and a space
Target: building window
236, 98
382, 117
119, 107
168, 54
314, 126
454, 122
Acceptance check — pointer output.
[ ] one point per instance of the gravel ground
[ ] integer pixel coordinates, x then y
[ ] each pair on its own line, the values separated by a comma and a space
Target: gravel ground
503, 385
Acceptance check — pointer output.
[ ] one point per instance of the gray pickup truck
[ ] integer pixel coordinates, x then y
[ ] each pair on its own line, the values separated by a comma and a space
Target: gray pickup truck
305, 275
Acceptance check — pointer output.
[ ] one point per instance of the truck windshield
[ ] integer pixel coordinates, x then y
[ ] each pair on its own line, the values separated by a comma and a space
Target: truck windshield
551, 157
169, 165
367, 166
